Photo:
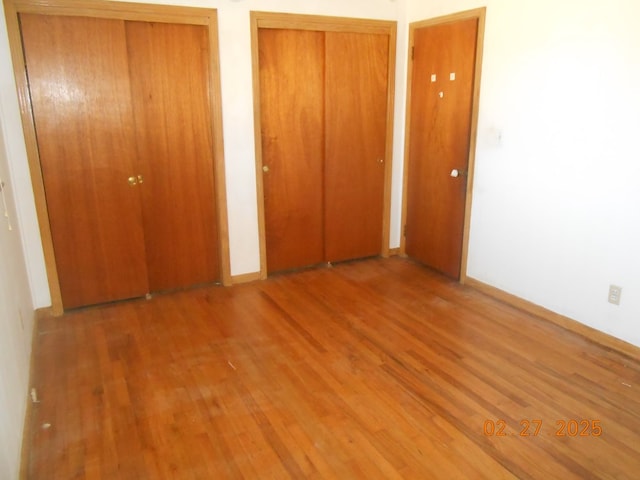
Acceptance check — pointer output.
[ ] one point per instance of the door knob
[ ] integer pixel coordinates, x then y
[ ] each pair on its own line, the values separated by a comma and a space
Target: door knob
140, 179
455, 173
265, 169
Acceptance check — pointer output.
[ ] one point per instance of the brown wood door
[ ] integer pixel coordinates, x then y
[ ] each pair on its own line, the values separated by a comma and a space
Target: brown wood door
441, 102
357, 69
169, 68
323, 104
292, 112
81, 100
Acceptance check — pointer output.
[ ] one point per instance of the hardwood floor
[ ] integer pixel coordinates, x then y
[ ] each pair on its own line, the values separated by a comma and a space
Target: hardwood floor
378, 369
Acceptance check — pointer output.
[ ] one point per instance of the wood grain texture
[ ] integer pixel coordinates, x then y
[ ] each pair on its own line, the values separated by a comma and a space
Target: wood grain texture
356, 90
262, 21
324, 120
438, 142
169, 71
335, 69
321, 23
291, 64
81, 100
121, 11
371, 369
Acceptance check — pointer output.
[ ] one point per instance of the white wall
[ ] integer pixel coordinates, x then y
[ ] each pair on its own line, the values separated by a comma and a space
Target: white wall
16, 327
17, 157
16, 305
556, 208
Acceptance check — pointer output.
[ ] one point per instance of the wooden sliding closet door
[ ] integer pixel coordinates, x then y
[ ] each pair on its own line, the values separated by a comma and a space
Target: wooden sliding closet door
169, 67
292, 106
323, 106
81, 100
356, 122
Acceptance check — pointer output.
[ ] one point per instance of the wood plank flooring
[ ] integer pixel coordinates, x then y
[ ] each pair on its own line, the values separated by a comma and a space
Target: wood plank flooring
378, 369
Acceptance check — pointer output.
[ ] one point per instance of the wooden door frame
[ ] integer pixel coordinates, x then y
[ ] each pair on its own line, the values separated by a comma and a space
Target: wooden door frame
121, 11
479, 14
324, 24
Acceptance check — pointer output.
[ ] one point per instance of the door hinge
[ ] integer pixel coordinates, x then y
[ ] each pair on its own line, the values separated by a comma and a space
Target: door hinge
404, 231
413, 51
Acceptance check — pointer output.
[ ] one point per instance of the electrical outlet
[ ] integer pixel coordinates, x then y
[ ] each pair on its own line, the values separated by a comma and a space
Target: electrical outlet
614, 294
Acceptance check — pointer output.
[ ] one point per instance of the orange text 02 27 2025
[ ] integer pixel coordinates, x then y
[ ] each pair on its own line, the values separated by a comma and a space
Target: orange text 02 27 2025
534, 427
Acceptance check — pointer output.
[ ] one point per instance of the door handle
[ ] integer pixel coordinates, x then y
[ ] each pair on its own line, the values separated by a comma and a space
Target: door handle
265, 169
455, 173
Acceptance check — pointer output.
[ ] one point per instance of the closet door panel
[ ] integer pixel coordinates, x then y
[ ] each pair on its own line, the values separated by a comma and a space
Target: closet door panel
79, 84
356, 123
292, 105
169, 65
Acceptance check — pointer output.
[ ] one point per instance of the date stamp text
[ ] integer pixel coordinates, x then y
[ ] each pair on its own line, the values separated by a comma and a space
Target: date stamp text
534, 427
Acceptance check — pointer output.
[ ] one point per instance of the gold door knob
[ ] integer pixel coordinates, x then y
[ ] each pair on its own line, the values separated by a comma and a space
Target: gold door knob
265, 169
132, 181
